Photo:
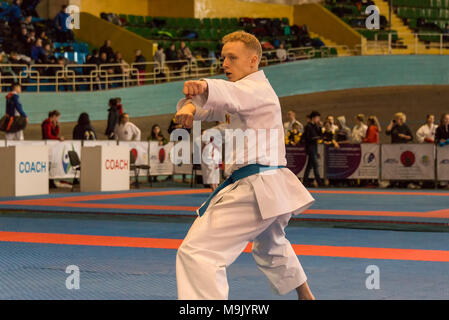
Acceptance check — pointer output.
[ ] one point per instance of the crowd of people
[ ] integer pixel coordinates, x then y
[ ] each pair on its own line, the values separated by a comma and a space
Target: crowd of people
336, 132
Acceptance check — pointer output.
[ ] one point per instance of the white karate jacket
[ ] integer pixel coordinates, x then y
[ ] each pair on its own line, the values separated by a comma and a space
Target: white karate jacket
253, 104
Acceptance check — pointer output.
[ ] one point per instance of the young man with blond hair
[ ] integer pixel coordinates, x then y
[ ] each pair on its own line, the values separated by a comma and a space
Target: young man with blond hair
257, 201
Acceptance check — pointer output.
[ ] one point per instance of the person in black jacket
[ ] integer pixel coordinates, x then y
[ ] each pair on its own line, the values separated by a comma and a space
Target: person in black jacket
113, 118
442, 132
84, 130
398, 130
312, 133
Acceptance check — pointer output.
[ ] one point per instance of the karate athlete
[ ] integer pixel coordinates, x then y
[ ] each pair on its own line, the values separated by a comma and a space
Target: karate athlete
256, 202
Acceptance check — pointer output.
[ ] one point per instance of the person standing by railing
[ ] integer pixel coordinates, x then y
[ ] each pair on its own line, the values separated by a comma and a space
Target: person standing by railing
159, 57
141, 67
15, 119
398, 130
359, 130
372, 133
442, 132
426, 133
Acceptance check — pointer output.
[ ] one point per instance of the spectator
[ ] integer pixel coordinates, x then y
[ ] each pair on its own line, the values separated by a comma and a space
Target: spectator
156, 135
442, 132
14, 15
293, 136
359, 130
119, 105
210, 164
37, 52
50, 126
372, 133
15, 119
281, 53
106, 48
113, 119
398, 130
123, 68
141, 67
171, 55
83, 129
312, 134
329, 135
343, 133
426, 133
291, 117
63, 33
27, 24
29, 7
126, 130
331, 119
159, 57
184, 52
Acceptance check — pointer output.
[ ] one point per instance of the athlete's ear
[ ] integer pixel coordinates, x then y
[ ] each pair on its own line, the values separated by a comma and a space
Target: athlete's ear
254, 60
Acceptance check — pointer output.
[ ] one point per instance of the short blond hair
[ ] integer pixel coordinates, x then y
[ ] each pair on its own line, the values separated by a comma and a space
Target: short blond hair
250, 41
400, 115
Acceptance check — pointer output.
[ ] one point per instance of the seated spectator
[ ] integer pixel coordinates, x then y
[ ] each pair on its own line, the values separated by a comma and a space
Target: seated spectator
113, 119
343, 133
442, 132
398, 130
83, 129
184, 52
13, 15
156, 135
27, 24
426, 133
329, 136
372, 133
291, 117
126, 130
171, 55
63, 33
141, 67
37, 52
359, 130
50, 126
106, 48
123, 68
281, 53
293, 136
29, 7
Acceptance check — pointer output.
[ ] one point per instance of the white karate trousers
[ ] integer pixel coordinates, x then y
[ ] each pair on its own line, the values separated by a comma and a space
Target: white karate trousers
216, 239
14, 136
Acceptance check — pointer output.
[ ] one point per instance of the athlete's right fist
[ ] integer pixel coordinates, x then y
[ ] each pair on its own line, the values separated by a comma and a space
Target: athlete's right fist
184, 116
195, 87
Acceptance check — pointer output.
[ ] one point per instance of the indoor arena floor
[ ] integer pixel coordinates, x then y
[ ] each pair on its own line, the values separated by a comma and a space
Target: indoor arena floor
124, 244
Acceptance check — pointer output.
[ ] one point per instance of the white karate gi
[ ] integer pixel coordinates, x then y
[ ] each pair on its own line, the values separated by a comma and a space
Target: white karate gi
256, 208
426, 132
127, 132
209, 166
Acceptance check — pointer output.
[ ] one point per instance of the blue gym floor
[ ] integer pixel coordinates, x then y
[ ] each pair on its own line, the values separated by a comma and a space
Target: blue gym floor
36, 270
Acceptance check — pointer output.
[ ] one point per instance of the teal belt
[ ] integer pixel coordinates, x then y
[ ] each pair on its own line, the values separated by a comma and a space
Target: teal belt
241, 173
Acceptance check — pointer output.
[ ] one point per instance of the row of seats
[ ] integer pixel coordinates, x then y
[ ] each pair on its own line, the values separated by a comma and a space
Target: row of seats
355, 17
427, 13
422, 3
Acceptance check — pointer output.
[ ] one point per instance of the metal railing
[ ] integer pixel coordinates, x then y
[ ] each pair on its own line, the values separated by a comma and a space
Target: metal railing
77, 77
409, 43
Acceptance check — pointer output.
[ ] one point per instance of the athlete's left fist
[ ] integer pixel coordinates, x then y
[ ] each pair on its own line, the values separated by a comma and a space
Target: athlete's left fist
194, 88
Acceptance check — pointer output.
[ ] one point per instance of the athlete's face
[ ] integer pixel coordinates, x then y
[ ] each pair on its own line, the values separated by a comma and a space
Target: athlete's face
239, 61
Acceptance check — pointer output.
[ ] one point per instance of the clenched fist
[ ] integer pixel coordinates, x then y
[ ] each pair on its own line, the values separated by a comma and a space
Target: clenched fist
184, 116
193, 88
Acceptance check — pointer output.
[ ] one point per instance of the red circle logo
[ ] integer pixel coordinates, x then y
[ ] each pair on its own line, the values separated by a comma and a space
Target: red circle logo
407, 158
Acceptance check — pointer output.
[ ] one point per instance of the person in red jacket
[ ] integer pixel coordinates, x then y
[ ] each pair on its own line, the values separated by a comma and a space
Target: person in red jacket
50, 126
372, 133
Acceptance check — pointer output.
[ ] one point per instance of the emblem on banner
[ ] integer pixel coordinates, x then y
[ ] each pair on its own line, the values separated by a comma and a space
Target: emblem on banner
407, 158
